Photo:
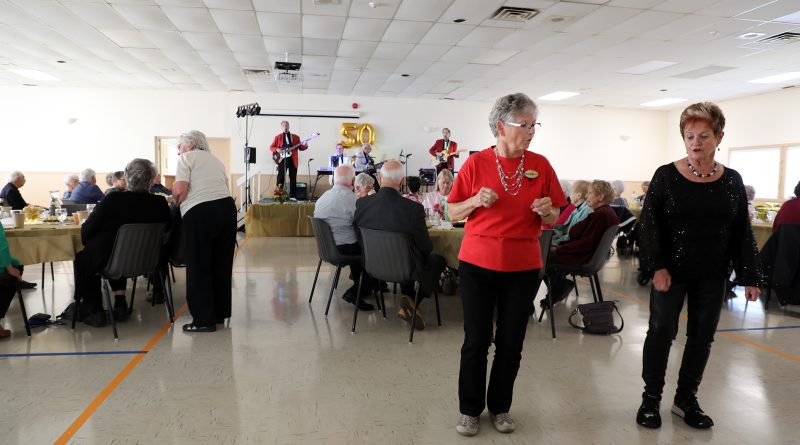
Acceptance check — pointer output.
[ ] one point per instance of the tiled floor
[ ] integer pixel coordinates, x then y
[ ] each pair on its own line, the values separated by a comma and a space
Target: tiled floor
283, 373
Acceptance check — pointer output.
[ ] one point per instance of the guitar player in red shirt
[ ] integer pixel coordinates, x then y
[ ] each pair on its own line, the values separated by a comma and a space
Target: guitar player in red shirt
443, 151
283, 141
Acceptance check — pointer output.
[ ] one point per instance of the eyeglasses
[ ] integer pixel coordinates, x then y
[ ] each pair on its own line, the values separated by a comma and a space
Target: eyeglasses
530, 127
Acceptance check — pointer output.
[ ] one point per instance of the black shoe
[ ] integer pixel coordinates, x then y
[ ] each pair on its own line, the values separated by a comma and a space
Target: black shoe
26, 284
559, 293
691, 413
96, 319
191, 327
157, 297
648, 415
350, 297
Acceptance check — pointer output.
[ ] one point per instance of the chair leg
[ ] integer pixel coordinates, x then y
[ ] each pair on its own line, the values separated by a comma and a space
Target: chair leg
394, 288
767, 298
333, 288
170, 298
110, 309
43, 276
167, 298
147, 289
594, 291
52, 274
75, 312
576, 286
358, 300
438, 315
414, 313
133, 295
22, 309
383, 302
313, 286
597, 285
172, 271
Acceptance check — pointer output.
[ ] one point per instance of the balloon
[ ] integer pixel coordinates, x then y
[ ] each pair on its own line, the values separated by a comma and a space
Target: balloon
349, 130
344, 129
370, 134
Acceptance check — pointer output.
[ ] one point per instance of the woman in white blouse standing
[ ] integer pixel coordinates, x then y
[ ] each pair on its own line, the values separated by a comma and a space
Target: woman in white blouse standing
209, 231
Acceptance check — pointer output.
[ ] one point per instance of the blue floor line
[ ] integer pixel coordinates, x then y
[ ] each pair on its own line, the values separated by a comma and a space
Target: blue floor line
51, 354
759, 329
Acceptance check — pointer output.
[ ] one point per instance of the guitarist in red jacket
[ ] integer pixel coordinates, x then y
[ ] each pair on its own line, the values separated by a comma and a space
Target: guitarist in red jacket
282, 141
441, 149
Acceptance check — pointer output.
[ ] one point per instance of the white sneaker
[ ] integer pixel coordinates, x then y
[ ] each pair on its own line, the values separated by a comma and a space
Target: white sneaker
503, 422
467, 425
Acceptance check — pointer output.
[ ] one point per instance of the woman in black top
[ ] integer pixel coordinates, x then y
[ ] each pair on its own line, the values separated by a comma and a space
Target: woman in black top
694, 224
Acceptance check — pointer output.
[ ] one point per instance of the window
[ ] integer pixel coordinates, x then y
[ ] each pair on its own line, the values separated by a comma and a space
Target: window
772, 170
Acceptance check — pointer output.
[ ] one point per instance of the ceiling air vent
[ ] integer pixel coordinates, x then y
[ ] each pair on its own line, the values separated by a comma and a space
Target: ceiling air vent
783, 38
256, 73
512, 14
327, 2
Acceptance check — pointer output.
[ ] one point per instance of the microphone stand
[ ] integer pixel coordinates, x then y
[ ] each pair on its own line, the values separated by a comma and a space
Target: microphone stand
308, 197
404, 161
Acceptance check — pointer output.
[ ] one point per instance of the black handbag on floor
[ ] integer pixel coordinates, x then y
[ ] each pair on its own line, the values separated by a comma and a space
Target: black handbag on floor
598, 318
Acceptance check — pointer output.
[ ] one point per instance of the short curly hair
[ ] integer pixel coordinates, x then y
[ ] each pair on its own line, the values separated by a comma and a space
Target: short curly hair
511, 105
600, 187
704, 111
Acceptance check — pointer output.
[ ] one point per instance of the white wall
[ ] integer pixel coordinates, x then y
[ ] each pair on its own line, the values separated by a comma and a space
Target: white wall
114, 126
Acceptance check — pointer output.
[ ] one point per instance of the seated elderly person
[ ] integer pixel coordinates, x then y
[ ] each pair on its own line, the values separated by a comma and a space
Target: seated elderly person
364, 185
157, 187
583, 240
117, 182
10, 275
619, 188
87, 191
99, 232
388, 210
566, 210
580, 191
10, 193
414, 183
71, 180
751, 195
436, 200
789, 213
336, 207
640, 198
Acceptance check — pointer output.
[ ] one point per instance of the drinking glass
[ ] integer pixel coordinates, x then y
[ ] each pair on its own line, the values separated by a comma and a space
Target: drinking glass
90, 207
61, 213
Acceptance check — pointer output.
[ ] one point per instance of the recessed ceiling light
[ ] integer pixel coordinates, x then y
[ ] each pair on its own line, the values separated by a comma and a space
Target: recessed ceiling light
663, 102
459, 20
778, 78
647, 67
558, 95
35, 75
61, 61
751, 35
405, 75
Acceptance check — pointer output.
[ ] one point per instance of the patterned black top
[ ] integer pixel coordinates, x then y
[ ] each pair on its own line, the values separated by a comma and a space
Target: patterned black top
695, 230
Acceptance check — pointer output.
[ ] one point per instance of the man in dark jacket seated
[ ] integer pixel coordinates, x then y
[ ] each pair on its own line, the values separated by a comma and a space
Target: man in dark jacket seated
388, 210
98, 233
583, 240
10, 192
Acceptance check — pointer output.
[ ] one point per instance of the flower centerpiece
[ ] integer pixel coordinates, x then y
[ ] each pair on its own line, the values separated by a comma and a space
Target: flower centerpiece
280, 195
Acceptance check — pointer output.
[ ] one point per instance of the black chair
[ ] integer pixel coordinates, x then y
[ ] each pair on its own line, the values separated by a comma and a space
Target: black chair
326, 248
72, 206
135, 252
5, 277
593, 266
176, 258
388, 257
780, 262
545, 240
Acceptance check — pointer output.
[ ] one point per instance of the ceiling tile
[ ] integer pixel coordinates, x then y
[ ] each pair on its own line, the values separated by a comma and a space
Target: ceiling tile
320, 47
354, 48
421, 10
383, 9
365, 29
405, 31
473, 12
288, 6
683, 25
236, 22
318, 62
730, 8
523, 39
292, 45
345, 76
494, 56
221, 58
128, 38
168, 40
252, 59
183, 57
641, 23
350, 63
323, 27
310, 7
99, 15
145, 17
206, 41
485, 37
280, 25
461, 54
148, 55
684, 6
382, 65
239, 5
243, 43
446, 33
427, 52
771, 11
389, 50
190, 19
413, 66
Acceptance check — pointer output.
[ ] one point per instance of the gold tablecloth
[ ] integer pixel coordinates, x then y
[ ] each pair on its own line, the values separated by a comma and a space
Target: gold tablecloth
273, 219
447, 243
762, 231
42, 243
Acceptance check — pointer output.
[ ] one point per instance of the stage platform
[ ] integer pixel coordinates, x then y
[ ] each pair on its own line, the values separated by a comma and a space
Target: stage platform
269, 218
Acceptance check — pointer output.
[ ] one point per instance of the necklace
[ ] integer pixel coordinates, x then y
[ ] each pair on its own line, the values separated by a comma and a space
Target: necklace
701, 175
512, 183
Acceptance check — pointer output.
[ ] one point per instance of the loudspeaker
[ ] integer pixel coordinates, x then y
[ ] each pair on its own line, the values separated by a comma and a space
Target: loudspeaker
427, 176
250, 155
301, 191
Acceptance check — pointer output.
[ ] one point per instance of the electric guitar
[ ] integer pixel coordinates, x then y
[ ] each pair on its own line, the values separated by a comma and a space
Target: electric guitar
442, 157
283, 153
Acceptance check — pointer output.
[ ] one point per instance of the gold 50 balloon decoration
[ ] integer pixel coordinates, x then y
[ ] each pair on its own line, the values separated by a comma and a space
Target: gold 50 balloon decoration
354, 134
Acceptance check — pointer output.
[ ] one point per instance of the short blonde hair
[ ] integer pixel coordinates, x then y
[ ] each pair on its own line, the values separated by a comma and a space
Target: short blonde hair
600, 187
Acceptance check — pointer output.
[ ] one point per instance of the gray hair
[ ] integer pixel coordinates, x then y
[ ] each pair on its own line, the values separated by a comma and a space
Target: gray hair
445, 173
88, 174
139, 174
394, 174
565, 187
195, 138
751, 192
13, 176
344, 174
364, 180
511, 105
71, 177
618, 187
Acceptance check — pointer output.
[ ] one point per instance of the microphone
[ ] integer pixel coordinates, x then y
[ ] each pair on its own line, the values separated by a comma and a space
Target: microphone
310, 159
409, 155
401, 154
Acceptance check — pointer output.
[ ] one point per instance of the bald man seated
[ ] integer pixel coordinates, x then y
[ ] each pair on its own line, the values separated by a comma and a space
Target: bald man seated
336, 207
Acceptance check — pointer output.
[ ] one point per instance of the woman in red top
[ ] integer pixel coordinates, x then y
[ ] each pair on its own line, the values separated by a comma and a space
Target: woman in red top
507, 192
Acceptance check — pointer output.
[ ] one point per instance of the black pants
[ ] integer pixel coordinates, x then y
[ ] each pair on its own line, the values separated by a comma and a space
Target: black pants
8, 287
87, 280
209, 231
288, 163
355, 269
480, 290
705, 298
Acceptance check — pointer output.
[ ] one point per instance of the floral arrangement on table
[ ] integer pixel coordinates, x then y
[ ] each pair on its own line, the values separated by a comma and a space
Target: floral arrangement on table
280, 195
441, 209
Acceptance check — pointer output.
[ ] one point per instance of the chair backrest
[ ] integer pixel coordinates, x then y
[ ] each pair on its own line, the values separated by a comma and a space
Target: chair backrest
136, 250
326, 245
600, 255
545, 239
387, 255
177, 257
